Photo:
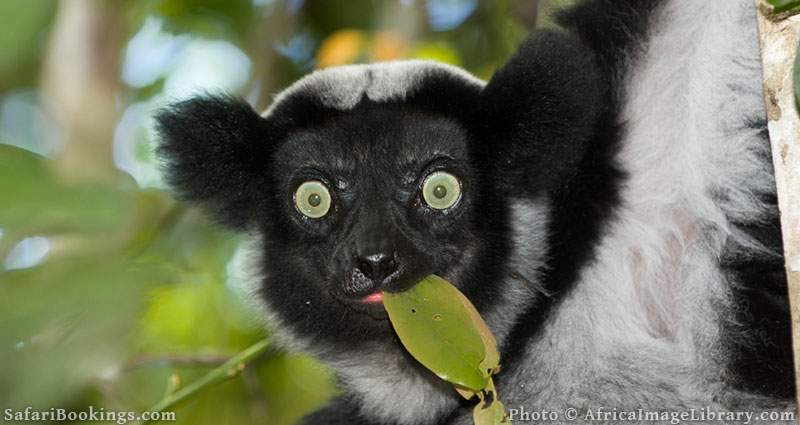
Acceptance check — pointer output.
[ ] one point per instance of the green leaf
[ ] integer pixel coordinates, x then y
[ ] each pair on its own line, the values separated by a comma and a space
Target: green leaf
294, 386
65, 322
25, 27
35, 201
441, 328
436, 328
784, 5
491, 360
490, 411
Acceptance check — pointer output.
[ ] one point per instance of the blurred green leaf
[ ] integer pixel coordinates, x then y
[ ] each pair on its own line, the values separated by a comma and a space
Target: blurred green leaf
35, 201
22, 37
360, 14
195, 317
438, 51
65, 323
294, 386
210, 18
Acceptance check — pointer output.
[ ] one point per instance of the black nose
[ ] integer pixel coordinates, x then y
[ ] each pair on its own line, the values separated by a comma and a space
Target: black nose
376, 266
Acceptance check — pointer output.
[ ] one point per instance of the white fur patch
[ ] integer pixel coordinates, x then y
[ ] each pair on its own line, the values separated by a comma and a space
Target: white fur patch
251, 275
342, 87
529, 222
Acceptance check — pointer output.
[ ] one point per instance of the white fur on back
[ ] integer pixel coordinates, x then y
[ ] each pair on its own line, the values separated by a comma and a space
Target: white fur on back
642, 328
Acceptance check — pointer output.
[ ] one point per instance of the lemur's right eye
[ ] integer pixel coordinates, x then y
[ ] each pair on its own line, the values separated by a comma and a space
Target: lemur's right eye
312, 199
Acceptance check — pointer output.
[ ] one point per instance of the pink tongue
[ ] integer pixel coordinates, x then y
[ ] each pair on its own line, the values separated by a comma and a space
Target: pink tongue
373, 298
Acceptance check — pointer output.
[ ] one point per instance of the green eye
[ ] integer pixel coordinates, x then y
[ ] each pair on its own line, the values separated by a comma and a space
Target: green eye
441, 190
312, 199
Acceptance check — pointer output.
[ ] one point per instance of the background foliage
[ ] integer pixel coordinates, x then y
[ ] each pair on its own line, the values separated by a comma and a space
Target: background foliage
110, 291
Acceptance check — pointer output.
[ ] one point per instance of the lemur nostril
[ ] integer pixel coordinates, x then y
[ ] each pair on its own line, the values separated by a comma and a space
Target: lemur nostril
376, 266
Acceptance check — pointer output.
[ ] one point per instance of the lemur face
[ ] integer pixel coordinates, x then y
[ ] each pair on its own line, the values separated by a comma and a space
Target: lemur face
367, 178
374, 199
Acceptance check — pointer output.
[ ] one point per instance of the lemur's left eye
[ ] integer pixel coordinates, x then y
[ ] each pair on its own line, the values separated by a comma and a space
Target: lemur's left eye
441, 190
312, 199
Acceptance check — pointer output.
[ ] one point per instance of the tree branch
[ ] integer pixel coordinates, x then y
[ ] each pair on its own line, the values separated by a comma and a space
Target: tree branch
226, 371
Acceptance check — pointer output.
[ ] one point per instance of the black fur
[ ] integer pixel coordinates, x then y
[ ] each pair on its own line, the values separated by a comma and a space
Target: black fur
341, 411
614, 30
549, 82
761, 333
213, 149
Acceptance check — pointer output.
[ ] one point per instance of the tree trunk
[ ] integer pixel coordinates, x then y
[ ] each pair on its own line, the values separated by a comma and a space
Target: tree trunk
779, 40
80, 85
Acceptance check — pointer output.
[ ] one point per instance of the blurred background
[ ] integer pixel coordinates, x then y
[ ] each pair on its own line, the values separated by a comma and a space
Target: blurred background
112, 293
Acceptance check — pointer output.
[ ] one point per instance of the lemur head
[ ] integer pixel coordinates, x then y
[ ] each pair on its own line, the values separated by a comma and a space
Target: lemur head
366, 178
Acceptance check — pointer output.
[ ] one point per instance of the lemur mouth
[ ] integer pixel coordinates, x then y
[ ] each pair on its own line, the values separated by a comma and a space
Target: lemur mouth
364, 290
368, 294
370, 305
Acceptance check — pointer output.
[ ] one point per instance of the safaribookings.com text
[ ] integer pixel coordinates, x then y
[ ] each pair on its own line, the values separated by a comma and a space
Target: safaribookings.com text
92, 414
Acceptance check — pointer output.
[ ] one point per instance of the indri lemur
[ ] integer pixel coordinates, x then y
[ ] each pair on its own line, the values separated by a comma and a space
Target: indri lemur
606, 200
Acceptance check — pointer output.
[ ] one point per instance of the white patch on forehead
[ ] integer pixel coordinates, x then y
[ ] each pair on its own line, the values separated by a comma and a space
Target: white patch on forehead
342, 87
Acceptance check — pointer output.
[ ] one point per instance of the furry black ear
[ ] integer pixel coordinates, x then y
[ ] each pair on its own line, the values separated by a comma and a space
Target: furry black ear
213, 151
542, 109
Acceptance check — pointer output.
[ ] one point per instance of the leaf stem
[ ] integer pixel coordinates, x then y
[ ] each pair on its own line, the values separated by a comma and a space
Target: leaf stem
227, 370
